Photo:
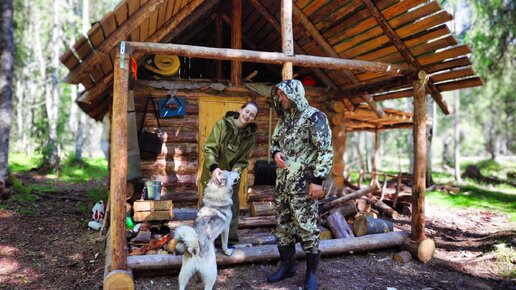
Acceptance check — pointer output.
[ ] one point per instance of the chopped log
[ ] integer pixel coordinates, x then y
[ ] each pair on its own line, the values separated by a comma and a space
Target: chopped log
341, 200
260, 197
362, 205
338, 225
365, 225
382, 207
258, 238
270, 252
119, 279
263, 208
402, 257
423, 251
348, 209
255, 222
325, 233
153, 245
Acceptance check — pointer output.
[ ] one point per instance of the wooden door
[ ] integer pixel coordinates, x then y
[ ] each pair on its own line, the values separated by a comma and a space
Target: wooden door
212, 109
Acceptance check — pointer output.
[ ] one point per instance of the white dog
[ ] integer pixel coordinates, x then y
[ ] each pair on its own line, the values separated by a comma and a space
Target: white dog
213, 219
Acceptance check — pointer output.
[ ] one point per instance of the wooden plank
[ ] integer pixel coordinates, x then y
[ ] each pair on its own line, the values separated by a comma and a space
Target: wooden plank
453, 74
328, 10
377, 38
453, 52
108, 24
149, 205
133, 6
424, 49
96, 37
312, 7
448, 64
69, 59
170, 9
427, 36
466, 83
120, 13
366, 24
161, 16
177, 6
153, 22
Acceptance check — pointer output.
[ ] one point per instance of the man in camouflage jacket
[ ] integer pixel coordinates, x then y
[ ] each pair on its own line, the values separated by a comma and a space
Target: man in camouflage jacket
302, 150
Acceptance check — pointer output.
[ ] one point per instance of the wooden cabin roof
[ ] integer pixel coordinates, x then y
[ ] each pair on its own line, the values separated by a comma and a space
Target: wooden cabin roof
411, 32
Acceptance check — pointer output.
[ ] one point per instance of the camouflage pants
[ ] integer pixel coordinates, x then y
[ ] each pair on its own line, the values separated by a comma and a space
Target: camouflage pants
296, 215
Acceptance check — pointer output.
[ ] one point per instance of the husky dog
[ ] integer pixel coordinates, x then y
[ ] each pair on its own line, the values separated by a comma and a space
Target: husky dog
213, 219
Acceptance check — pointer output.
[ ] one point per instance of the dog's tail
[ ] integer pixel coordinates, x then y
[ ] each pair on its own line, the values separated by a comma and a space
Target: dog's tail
187, 240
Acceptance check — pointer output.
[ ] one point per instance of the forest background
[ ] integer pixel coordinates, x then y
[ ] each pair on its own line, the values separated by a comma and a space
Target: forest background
46, 123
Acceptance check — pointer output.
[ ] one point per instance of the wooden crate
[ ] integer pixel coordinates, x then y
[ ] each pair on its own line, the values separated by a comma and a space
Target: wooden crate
152, 210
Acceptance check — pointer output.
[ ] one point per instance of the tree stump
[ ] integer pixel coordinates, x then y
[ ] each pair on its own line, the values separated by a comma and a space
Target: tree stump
423, 251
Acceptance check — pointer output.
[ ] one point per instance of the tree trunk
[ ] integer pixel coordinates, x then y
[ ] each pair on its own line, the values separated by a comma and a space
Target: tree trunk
6, 77
51, 156
456, 136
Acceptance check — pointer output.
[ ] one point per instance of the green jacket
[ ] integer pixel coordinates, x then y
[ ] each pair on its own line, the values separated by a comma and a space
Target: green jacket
227, 147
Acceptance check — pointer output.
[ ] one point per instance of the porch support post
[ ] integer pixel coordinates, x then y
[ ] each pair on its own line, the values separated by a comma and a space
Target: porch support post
287, 38
419, 186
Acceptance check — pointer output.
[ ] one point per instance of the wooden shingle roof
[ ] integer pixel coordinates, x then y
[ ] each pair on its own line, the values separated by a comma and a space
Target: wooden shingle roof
411, 32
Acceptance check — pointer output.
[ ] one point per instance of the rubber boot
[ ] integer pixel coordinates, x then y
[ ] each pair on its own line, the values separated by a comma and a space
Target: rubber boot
287, 267
312, 261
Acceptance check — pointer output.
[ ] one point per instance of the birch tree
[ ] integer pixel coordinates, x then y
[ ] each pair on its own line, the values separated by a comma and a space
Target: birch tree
6, 73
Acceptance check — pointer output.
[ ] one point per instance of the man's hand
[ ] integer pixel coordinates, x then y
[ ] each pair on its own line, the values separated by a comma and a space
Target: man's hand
215, 175
280, 159
316, 191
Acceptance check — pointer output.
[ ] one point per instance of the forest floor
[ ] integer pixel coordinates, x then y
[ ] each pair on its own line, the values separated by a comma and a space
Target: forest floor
49, 246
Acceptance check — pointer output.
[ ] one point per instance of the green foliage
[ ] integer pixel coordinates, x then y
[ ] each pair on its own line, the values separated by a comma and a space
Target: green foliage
19, 162
75, 170
97, 193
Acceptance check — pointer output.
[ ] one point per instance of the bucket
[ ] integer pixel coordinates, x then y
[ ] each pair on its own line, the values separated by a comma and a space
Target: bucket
366, 225
157, 189
153, 189
150, 189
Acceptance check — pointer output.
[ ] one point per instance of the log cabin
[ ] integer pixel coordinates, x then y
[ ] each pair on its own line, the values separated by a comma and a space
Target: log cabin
351, 55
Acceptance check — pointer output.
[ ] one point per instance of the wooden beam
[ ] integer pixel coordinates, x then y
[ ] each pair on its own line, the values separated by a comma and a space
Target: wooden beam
287, 38
418, 182
118, 163
268, 57
277, 26
82, 71
236, 40
404, 51
319, 39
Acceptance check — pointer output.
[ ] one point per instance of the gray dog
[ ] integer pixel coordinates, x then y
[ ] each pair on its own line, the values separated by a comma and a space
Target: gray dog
213, 219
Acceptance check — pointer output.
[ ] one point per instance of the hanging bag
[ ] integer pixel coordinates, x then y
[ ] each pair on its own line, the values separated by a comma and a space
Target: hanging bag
147, 140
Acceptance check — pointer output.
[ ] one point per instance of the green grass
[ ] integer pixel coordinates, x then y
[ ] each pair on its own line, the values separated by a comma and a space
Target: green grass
72, 171
499, 198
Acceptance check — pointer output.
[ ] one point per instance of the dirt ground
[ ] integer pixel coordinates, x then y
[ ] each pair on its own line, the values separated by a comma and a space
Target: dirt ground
54, 249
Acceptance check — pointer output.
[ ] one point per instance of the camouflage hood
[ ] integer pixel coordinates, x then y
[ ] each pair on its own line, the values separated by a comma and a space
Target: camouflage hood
296, 93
